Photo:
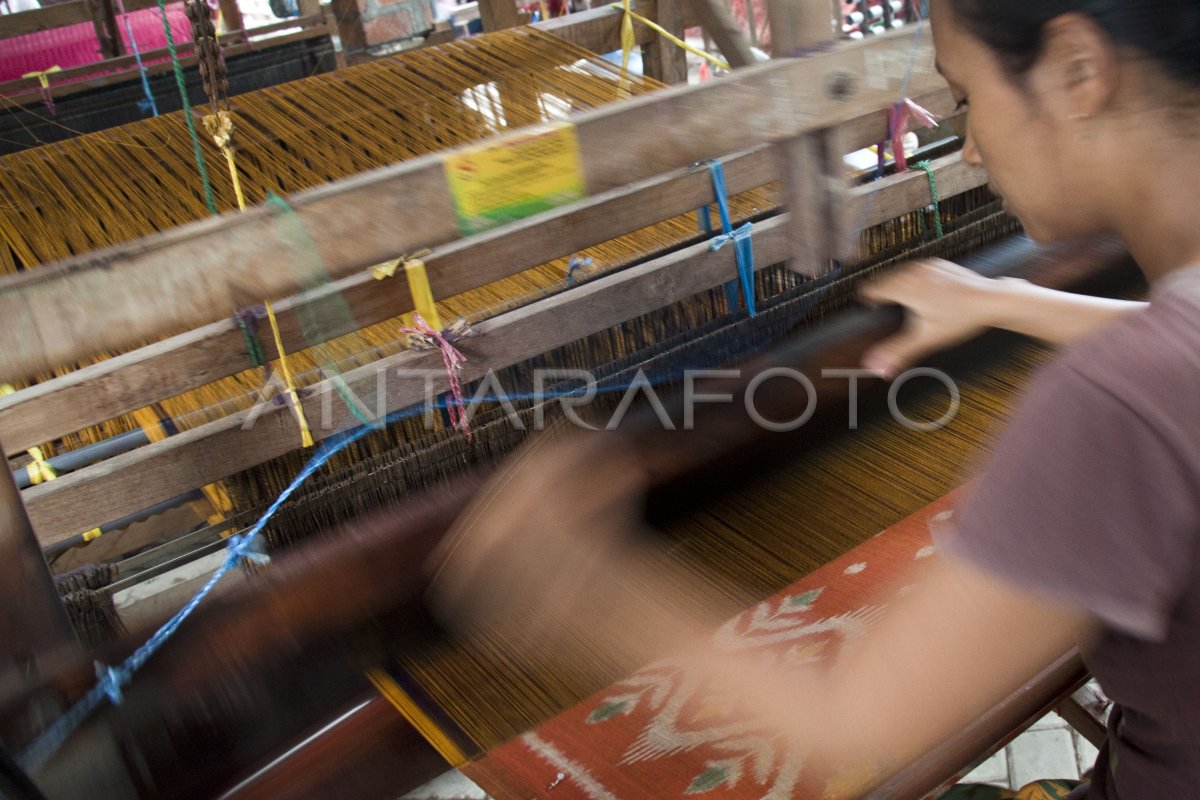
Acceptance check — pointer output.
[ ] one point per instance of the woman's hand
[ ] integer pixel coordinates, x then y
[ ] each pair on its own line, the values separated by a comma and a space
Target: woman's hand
947, 304
547, 544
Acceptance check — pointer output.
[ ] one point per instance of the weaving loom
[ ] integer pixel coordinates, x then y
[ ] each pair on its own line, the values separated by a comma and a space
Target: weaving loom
544, 292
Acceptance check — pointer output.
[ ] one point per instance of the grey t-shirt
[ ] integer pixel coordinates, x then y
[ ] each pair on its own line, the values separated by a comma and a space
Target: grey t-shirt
1092, 496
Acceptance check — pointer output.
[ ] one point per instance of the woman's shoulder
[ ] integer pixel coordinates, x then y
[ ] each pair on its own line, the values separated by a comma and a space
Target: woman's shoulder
1148, 360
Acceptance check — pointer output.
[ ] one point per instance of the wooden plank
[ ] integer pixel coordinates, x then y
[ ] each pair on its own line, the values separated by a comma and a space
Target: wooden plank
664, 60
900, 194
716, 21
112, 299
136, 480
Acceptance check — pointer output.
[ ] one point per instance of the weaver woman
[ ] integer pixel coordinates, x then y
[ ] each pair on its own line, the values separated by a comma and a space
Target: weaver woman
1084, 527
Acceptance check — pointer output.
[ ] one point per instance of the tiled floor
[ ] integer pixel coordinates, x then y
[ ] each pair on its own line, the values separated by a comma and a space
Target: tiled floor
1049, 749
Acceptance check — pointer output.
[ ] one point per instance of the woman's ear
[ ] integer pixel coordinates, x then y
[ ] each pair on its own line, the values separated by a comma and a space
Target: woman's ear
1077, 70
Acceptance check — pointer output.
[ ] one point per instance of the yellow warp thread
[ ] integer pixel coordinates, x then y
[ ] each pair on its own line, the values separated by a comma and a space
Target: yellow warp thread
38, 470
306, 437
661, 31
428, 729
419, 288
94, 533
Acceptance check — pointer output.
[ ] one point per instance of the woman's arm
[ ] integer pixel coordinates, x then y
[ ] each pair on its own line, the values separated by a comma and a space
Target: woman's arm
532, 562
949, 304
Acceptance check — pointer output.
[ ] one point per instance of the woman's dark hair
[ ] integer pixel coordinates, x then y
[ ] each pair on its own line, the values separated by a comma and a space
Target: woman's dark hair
1168, 31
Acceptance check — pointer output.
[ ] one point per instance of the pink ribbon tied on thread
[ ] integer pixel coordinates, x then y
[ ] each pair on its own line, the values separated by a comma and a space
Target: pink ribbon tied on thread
900, 119
423, 337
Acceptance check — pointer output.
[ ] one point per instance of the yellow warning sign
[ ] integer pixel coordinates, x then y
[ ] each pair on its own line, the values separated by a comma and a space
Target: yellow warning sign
524, 174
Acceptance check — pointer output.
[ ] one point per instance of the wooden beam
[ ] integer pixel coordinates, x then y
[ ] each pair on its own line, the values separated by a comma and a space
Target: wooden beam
118, 385
136, 480
810, 163
666, 61
231, 14
113, 298
716, 21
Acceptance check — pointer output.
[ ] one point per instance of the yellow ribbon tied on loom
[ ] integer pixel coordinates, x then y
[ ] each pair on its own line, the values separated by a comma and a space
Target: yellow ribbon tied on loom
418, 284
220, 128
628, 41
43, 76
293, 398
38, 470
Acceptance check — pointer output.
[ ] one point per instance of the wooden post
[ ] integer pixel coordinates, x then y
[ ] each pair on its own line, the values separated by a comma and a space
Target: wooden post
717, 23
231, 15
497, 15
811, 164
104, 20
335, 38
349, 25
663, 59
33, 624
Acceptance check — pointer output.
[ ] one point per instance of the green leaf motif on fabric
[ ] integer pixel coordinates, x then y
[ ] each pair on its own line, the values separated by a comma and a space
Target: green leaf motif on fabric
607, 711
708, 780
803, 601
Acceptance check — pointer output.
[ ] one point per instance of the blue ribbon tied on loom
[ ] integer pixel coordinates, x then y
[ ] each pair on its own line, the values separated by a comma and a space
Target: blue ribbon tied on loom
743, 244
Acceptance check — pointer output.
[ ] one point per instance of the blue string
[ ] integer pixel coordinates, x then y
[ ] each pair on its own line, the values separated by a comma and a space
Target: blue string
576, 263
743, 245
743, 248
137, 57
242, 547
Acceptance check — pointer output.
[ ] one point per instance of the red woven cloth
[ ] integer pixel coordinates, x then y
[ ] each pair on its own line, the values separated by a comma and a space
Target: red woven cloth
76, 45
661, 734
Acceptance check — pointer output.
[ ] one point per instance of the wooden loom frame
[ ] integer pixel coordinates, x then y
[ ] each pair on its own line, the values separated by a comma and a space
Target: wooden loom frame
235, 250
784, 102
